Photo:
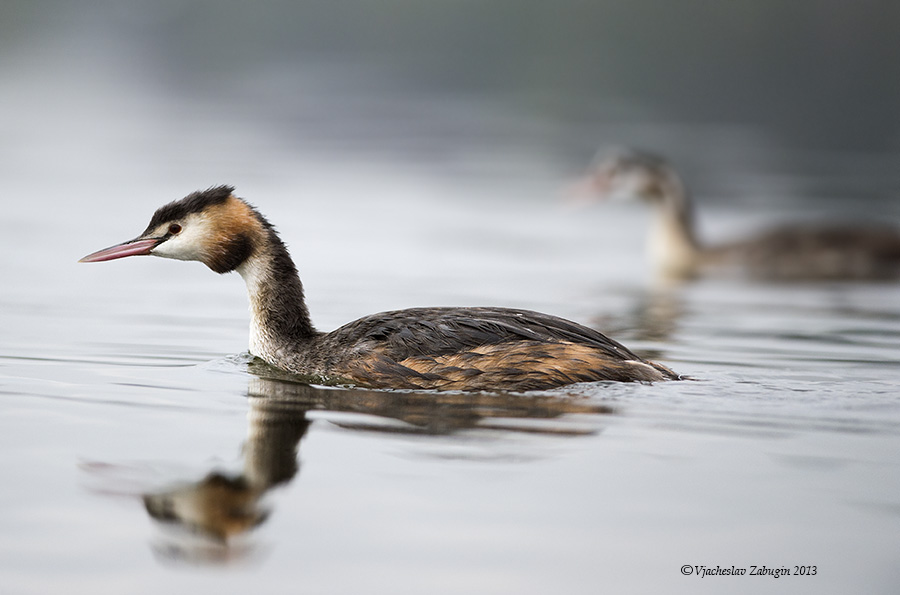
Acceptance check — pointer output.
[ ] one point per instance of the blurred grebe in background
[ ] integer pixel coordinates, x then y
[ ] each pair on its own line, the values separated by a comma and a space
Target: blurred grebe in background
419, 348
811, 251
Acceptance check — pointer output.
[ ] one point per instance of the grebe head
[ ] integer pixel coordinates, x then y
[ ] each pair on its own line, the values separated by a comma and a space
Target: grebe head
211, 226
632, 174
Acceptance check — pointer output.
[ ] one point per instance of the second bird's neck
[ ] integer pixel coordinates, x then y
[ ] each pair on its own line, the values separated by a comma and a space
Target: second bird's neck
673, 242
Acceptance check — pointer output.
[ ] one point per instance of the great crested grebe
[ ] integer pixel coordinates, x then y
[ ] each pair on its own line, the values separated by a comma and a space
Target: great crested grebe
793, 251
418, 348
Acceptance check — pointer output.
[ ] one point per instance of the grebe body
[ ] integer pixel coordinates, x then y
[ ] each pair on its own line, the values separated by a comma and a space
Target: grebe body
813, 251
418, 348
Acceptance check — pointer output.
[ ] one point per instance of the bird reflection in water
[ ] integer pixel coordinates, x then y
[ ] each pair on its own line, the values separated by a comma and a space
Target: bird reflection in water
211, 515
652, 316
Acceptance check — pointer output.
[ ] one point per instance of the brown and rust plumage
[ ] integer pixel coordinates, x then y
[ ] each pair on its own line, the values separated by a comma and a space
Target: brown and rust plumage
418, 348
523, 365
479, 349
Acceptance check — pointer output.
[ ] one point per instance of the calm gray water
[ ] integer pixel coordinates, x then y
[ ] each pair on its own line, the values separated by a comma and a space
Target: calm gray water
127, 400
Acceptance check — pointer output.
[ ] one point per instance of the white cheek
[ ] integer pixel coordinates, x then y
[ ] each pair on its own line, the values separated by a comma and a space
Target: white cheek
188, 245
627, 189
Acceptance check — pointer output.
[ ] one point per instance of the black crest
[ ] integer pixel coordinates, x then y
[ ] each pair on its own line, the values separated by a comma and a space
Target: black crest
192, 203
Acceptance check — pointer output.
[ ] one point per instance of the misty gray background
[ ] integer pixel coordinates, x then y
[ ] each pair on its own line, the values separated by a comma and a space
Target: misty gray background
743, 85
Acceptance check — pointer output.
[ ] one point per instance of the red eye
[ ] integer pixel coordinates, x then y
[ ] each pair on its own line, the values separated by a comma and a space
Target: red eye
174, 229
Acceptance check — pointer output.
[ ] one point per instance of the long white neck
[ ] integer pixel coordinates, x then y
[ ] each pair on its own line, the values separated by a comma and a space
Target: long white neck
673, 245
255, 276
279, 319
